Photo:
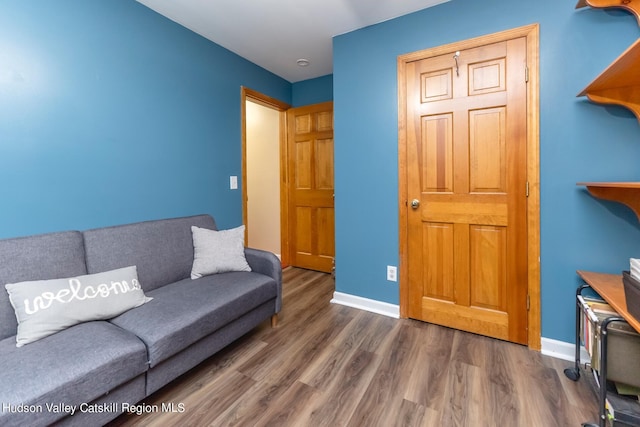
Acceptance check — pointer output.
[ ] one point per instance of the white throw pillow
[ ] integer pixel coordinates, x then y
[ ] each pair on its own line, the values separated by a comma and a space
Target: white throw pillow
44, 307
218, 251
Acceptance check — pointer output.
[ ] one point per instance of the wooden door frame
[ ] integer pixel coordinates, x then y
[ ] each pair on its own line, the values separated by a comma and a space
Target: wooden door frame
247, 94
531, 33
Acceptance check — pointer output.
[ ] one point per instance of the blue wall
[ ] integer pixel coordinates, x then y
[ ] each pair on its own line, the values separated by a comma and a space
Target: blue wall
111, 113
312, 91
579, 141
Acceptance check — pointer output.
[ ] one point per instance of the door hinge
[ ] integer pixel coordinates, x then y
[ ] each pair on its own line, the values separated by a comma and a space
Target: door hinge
526, 74
526, 190
528, 303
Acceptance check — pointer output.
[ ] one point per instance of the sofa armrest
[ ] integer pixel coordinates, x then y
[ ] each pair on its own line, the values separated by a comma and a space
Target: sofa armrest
268, 264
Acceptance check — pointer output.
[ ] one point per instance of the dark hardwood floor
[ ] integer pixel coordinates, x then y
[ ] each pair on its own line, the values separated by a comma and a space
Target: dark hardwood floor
330, 365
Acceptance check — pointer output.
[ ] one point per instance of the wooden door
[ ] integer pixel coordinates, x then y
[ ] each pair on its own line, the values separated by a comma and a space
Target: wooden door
310, 183
466, 147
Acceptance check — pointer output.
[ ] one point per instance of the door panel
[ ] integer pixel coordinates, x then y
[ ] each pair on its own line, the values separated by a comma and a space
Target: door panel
437, 143
326, 241
487, 76
487, 168
438, 266
488, 252
324, 164
303, 165
304, 222
311, 186
466, 166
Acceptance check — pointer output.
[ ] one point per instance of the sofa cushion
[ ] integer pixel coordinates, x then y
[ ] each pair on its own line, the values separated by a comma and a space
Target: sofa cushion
44, 307
46, 256
74, 366
162, 250
218, 251
184, 312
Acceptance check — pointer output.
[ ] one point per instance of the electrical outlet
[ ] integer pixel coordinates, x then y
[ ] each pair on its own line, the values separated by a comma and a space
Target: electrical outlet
392, 273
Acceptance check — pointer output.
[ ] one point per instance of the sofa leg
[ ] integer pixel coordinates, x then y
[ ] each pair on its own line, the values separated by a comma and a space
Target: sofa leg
274, 320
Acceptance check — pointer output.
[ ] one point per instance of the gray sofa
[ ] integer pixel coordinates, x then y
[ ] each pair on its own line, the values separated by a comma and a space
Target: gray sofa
96, 367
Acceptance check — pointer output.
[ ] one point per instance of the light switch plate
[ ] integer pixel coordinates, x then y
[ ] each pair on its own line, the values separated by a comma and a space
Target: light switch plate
233, 182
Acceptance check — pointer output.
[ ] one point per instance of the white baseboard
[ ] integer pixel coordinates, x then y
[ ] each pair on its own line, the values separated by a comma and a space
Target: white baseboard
563, 350
367, 304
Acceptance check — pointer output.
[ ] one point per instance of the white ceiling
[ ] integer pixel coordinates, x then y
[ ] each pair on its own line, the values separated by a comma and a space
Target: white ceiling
276, 33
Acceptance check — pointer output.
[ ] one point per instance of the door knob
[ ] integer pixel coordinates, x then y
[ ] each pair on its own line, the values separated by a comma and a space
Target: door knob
415, 203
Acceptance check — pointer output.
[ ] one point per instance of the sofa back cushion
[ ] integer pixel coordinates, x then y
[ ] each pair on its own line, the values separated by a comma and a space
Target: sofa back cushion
41, 257
162, 250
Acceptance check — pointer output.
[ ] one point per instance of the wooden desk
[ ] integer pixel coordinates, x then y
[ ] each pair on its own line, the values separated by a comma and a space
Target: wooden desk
611, 289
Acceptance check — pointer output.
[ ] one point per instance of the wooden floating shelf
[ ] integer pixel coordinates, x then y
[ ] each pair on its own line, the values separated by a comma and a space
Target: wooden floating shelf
627, 193
632, 6
619, 84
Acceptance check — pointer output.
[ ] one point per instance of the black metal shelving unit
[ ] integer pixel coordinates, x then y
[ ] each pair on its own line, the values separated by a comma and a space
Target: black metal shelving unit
613, 409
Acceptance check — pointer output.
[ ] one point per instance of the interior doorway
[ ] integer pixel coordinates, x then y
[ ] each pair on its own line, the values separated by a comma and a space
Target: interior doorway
287, 180
263, 178
264, 173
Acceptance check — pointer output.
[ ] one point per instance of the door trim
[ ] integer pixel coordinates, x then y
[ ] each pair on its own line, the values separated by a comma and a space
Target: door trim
247, 94
531, 33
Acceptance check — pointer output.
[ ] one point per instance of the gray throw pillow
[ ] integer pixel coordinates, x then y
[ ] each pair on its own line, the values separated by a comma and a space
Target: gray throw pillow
44, 307
218, 251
